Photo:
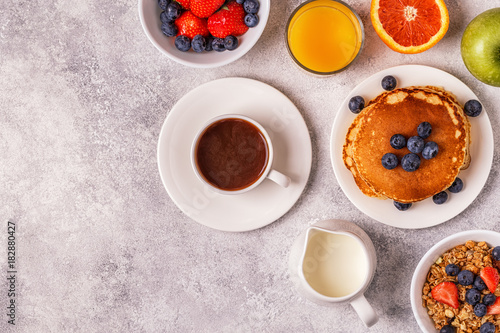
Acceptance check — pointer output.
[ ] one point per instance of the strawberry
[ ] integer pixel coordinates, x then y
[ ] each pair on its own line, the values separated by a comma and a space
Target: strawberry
494, 308
490, 278
447, 293
190, 25
229, 20
184, 3
205, 8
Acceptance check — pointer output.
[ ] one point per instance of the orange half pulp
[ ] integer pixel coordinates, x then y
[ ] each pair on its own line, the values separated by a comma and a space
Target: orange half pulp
410, 26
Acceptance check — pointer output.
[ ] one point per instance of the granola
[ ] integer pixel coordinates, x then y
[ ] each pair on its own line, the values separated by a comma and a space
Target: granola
472, 256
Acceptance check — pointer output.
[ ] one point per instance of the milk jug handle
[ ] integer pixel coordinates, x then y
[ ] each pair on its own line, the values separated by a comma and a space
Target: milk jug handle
365, 311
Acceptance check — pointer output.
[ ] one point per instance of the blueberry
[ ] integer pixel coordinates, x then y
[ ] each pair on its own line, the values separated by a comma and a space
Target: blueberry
230, 43
452, 269
398, 141
240, 1
163, 4
496, 253
251, 20
218, 44
208, 43
473, 108
356, 104
174, 10
198, 43
457, 186
164, 18
402, 206
389, 83
487, 327
389, 161
448, 329
479, 283
182, 43
169, 29
465, 278
251, 6
473, 296
440, 198
415, 144
430, 150
489, 299
480, 309
410, 162
424, 129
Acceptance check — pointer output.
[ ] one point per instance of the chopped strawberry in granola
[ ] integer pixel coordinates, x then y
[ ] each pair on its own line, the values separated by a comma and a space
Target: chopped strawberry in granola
490, 278
447, 293
494, 308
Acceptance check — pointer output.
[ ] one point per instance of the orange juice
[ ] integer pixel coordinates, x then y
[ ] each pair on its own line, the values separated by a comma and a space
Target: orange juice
324, 36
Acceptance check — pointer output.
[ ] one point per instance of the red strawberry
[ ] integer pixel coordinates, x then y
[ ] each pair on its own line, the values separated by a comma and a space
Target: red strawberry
205, 8
229, 20
490, 278
447, 293
184, 3
494, 308
190, 25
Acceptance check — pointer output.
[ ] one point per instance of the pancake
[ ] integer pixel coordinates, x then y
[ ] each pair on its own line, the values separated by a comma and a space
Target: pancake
349, 163
400, 112
347, 155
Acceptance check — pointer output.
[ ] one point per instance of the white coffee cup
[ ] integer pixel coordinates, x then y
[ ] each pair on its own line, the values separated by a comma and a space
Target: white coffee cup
268, 171
333, 262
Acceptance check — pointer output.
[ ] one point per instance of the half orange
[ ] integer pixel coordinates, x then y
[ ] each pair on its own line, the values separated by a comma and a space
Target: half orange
410, 26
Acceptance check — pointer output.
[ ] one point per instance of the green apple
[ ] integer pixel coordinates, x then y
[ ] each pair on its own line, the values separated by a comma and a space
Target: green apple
481, 47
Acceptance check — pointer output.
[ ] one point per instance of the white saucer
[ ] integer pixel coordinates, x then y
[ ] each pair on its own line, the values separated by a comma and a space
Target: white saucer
289, 135
425, 213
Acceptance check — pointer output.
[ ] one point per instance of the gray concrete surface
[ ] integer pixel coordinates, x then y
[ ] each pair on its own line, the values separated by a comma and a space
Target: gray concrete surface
100, 246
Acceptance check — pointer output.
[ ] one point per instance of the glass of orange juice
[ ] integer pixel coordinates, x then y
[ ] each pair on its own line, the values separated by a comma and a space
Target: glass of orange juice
324, 36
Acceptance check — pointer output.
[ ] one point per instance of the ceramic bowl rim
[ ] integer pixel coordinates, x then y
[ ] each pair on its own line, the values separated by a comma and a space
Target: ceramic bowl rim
420, 272
224, 58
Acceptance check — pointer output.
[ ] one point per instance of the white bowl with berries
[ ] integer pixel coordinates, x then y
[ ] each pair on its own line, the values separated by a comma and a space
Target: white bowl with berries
204, 33
455, 286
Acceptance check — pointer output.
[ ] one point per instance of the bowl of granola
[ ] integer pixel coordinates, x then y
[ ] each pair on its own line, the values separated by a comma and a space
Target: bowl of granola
456, 283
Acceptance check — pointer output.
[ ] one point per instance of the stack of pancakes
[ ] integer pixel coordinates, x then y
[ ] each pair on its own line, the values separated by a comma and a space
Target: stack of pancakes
400, 111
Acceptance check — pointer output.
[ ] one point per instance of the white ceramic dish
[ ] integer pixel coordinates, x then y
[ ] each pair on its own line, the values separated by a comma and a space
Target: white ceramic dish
292, 154
268, 173
420, 273
296, 266
425, 213
149, 14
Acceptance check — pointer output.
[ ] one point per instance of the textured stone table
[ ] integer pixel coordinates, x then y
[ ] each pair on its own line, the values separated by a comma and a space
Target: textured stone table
100, 246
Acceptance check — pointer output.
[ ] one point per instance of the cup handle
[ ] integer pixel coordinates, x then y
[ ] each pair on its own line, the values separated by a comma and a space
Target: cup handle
365, 311
279, 178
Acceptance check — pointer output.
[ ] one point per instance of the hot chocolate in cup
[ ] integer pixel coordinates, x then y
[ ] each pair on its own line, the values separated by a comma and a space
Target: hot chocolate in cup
233, 154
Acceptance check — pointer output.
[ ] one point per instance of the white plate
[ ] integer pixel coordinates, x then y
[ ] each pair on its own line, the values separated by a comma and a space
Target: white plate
425, 213
292, 154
